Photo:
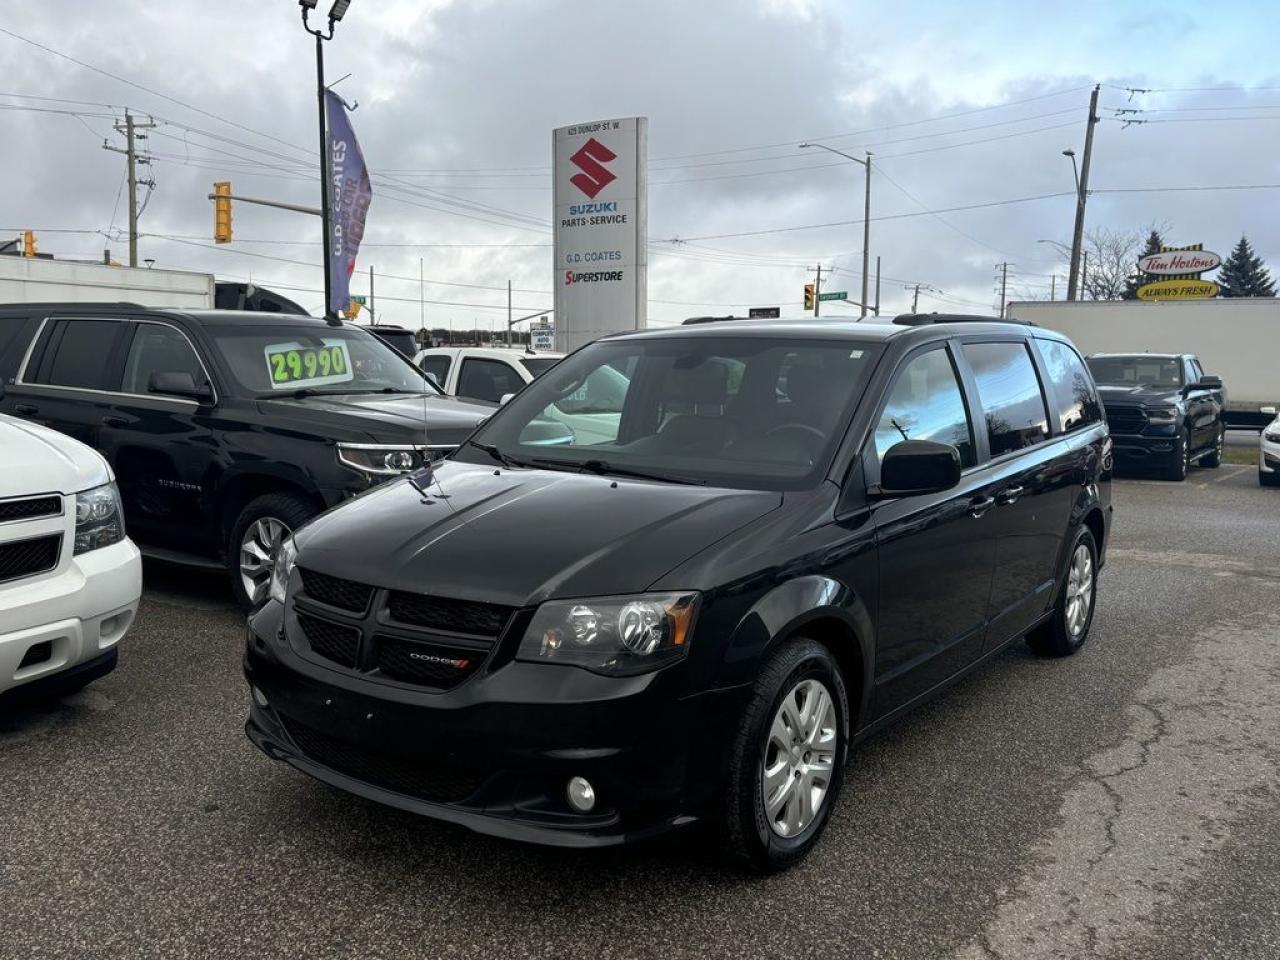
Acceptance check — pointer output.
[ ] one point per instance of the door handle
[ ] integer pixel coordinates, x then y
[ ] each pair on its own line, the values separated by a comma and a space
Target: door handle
116, 422
980, 505
1009, 495
25, 409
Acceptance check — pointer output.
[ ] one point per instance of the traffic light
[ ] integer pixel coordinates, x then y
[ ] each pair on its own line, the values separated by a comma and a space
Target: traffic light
28, 243
808, 296
222, 212
353, 309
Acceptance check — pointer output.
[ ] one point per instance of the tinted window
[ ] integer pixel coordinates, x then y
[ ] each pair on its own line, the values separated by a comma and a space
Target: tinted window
1137, 371
1074, 401
539, 365
926, 404
10, 327
76, 354
402, 340
1009, 393
158, 349
482, 379
437, 365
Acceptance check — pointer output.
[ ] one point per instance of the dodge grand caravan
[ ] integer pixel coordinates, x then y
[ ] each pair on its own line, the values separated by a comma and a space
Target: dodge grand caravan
796, 532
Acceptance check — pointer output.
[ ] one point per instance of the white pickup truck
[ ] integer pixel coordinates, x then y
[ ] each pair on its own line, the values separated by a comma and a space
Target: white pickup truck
483, 373
70, 578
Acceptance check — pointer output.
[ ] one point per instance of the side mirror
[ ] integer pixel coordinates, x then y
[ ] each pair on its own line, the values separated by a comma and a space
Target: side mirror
1268, 410
502, 401
179, 384
435, 381
1211, 383
919, 466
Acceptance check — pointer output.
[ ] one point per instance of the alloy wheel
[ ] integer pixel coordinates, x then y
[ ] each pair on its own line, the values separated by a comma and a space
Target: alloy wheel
799, 758
257, 556
1079, 590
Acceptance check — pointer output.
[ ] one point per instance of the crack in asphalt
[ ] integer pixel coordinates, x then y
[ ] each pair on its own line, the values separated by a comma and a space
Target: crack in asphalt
1143, 816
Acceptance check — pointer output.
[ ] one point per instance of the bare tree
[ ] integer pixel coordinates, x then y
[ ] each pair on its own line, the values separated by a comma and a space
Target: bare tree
1110, 259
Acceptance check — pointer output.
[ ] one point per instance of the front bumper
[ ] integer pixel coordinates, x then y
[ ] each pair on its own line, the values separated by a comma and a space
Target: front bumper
71, 618
1134, 450
1269, 458
494, 754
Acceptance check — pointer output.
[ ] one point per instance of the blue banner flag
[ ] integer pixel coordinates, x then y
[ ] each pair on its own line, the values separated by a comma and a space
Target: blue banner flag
349, 196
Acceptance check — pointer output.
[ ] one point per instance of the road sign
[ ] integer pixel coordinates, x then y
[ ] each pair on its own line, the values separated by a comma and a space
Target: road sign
359, 298
1178, 290
764, 313
542, 337
834, 295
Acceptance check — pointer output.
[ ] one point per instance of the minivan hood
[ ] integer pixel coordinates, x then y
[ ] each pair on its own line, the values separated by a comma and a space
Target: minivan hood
40, 460
518, 537
1138, 395
387, 417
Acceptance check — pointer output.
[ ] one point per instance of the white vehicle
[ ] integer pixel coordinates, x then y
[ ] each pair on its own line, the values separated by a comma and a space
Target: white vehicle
1269, 452
37, 279
1233, 337
70, 578
483, 373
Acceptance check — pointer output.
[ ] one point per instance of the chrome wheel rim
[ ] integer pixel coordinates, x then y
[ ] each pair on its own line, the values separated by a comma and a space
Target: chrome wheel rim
1079, 590
257, 555
799, 758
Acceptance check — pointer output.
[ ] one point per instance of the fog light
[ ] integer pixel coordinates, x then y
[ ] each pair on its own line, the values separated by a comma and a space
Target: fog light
582, 796
259, 697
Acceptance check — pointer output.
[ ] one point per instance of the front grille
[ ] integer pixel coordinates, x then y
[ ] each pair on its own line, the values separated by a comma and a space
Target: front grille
428, 664
331, 640
26, 558
456, 616
424, 776
343, 594
1124, 420
30, 508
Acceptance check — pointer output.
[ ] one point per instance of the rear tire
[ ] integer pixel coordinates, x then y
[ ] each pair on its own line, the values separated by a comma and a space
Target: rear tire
1214, 459
1068, 628
255, 535
798, 697
1181, 460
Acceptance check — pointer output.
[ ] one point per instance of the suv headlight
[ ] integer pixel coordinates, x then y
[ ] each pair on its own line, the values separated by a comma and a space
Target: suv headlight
99, 518
616, 636
381, 460
1162, 415
282, 569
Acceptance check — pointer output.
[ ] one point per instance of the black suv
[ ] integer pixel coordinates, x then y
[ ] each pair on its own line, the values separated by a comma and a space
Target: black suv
777, 539
226, 430
1163, 410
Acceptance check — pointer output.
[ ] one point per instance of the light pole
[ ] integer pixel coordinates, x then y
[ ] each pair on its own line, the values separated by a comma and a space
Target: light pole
866, 217
336, 13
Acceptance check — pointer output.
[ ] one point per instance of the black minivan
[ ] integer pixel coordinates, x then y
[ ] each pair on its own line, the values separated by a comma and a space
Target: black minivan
775, 538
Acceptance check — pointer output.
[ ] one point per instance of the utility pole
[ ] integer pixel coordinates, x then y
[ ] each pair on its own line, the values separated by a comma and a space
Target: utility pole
372, 315
866, 236
877, 285
422, 298
915, 298
1084, 273
130, 130
508, 313
817, 292
1053, 287
1082, 194
1004, 286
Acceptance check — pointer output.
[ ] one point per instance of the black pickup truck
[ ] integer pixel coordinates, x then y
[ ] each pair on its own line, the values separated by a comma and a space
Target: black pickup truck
1164, 411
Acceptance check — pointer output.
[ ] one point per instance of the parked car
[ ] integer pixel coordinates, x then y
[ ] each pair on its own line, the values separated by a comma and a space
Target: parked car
797, 532
1269, 452
397, 338
69, 576
226, 430
483, 373
1163, 409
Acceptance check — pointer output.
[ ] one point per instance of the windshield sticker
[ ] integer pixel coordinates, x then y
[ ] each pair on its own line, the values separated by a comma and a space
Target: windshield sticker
292, 365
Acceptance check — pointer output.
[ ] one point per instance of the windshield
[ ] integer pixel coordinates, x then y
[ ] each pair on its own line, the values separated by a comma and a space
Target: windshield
1140, 370
539, 365
270, 360
744, 412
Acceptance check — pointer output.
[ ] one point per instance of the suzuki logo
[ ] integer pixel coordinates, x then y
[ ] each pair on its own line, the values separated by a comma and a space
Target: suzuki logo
591, 160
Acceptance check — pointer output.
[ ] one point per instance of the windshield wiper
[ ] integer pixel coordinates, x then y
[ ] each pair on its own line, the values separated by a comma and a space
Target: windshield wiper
502, 458
604, 467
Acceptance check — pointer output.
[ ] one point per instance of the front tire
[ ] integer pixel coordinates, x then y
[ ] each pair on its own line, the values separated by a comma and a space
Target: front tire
1181, 461
786, 763
1214, 459
255, 537
1068, 628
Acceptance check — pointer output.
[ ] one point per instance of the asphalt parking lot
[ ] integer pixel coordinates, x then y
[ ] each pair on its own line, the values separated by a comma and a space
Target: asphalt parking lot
1122, 803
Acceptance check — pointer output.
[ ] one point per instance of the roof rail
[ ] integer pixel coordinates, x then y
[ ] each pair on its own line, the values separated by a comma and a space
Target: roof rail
922, 319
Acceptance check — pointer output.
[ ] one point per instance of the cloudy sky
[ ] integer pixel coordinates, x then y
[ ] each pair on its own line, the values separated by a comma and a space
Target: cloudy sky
964, 105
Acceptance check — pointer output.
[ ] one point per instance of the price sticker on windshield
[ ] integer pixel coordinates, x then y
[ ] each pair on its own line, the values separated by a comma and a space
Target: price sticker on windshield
291, 366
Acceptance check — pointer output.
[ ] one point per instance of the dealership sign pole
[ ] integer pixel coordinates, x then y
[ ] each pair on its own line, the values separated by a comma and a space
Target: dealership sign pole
600, 202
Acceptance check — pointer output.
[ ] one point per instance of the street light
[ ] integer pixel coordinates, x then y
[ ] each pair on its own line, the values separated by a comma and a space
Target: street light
1075, 171
866, 218
336, 13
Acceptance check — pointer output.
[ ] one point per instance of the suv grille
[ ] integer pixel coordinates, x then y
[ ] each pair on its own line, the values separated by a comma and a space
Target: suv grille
25, 558
426, 779
1126, 420
456, 616
430, 664
30, 508
331, 640
343, 594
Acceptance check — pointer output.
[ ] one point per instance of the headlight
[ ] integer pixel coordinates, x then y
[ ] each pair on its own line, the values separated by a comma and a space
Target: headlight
616, 636
286, 557
99, 518
1162, 415
385, 461
1273, 436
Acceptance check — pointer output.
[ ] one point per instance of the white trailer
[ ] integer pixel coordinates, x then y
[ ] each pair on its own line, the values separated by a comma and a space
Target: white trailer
1235, 339
41, 280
